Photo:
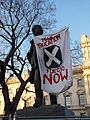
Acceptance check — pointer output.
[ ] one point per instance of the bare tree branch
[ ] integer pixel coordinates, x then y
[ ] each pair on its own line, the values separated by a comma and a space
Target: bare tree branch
16, 20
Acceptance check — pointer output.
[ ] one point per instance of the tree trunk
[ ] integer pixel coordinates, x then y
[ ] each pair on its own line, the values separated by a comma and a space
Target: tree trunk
10, 109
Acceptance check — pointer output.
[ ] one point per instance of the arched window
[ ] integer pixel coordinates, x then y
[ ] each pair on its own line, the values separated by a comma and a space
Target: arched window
81, 97
81, 100
68, 101
80, 82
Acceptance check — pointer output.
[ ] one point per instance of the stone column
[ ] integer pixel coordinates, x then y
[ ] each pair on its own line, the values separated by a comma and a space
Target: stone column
85, 45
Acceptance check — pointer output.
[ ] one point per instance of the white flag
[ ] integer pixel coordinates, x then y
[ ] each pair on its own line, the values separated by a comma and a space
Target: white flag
53, 53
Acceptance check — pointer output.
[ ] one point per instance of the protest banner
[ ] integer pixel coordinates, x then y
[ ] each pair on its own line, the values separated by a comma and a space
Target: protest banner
54, 59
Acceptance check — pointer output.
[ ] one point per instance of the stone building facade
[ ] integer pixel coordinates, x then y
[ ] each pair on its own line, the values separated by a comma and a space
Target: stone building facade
77, 98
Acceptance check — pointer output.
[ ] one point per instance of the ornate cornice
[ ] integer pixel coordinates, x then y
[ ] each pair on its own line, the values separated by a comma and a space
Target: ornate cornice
66, 93
77, 69
80, 91
85, 67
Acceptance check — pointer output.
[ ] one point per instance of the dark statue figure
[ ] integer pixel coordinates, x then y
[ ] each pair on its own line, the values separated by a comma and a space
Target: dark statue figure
34, 74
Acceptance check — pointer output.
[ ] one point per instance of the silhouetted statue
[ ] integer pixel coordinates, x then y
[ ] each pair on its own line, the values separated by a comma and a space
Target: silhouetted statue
35, 74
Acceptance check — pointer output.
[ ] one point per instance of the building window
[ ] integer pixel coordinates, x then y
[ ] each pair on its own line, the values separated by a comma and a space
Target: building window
68, 102
83, 114
80, 82
81, 100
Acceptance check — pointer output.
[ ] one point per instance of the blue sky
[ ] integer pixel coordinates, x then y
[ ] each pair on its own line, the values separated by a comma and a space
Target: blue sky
74, 14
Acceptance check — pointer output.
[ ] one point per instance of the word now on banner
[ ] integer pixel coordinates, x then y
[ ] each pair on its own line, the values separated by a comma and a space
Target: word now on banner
54, 59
